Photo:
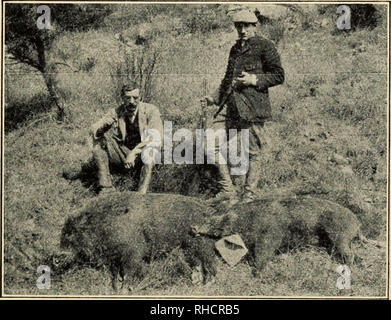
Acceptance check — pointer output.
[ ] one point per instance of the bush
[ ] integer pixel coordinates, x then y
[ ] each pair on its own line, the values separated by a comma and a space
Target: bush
273, 31
206, 19
136, 66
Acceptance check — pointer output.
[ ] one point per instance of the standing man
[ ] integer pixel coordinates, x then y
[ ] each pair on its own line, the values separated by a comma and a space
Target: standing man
253, 67
120, 136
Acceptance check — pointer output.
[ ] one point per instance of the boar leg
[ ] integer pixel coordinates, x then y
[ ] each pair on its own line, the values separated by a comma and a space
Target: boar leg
264, 249
114, 270
199, 250
343, 246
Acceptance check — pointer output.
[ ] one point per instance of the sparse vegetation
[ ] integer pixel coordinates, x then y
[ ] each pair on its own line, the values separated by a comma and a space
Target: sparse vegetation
327, 138
29, 44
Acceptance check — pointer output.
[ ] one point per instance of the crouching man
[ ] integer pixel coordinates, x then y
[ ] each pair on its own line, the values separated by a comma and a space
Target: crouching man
128, 136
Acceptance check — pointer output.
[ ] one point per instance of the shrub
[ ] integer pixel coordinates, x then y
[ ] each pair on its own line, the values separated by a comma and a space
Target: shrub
137, 66
206, 19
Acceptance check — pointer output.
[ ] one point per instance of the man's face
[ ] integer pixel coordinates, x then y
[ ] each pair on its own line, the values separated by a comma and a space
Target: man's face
131, 99
245, 30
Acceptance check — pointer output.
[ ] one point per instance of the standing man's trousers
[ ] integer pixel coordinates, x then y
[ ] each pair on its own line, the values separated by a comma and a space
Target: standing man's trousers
252, 149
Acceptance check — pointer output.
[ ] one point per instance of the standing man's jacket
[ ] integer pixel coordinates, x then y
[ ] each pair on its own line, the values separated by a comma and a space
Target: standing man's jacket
148, 118
258, 56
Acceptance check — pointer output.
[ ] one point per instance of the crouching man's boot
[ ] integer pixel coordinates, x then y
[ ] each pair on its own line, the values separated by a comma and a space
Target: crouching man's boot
72, 172
75, 171
104, 177
145, 178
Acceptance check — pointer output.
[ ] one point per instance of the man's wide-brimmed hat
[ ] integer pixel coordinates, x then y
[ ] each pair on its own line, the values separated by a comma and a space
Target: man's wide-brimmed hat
246, 16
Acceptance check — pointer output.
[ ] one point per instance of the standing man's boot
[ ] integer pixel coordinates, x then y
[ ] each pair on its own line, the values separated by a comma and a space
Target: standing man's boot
251, 186
145, 178
228, 191
104, 177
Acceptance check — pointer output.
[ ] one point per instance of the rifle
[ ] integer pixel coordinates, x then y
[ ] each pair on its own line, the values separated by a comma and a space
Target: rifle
223, 101
203, 106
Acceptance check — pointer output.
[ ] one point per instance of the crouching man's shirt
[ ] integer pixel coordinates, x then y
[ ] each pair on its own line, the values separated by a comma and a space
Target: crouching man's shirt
129, 130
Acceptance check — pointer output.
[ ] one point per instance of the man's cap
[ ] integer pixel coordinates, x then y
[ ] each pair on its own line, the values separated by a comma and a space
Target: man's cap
246, 16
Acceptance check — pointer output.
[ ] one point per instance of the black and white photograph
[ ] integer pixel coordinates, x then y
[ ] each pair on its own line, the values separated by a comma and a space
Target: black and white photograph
195, 150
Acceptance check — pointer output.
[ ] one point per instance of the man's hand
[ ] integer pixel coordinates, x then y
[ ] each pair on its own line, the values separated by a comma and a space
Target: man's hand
95, 131
207, 101
131, 158
247, 79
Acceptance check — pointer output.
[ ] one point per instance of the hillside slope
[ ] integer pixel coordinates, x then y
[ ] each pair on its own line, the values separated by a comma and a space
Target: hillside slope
327, 138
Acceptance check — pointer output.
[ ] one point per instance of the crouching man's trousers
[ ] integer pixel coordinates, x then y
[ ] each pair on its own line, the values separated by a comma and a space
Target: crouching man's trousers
107, 152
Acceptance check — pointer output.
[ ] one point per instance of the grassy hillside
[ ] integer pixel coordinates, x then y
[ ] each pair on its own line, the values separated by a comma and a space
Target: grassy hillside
327, 138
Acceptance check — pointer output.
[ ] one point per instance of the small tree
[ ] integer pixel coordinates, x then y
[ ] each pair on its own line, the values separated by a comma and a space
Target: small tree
137, 65
29, 44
